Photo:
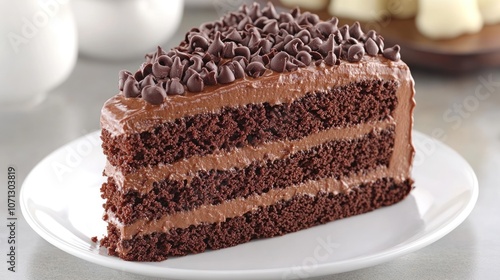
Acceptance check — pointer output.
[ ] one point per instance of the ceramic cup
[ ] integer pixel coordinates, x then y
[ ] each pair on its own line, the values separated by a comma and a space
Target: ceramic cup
125, 29
38, 49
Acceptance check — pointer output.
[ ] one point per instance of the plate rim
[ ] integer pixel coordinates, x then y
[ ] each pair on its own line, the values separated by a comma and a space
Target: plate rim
268, 273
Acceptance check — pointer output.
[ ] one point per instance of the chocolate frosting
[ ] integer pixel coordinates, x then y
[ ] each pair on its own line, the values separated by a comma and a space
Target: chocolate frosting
258, 38
132, 115
233, 208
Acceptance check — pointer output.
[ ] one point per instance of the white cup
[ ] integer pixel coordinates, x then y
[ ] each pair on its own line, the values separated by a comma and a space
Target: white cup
125, 29
38, 49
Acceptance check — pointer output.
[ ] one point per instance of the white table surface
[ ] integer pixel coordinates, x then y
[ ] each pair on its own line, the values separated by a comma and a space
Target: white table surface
446, 103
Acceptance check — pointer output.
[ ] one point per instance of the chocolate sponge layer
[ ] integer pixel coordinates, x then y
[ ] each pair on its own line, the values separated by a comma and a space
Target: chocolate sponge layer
301, 212
253, 124
336, 159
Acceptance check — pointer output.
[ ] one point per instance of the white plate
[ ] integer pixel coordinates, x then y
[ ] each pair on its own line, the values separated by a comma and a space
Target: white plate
60, 199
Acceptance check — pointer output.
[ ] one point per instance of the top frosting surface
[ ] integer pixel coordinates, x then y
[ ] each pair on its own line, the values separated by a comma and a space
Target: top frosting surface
249, 43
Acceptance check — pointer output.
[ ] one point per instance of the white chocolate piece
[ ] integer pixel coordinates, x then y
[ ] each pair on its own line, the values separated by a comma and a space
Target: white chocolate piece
490, 10
402, 8
448, 18
363, 10
308, 4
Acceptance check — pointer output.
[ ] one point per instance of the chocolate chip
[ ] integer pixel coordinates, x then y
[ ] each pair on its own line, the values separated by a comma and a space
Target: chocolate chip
304, 36
380, 42
257, 58
159, 52
225, 76
393, 53
325, 28
279, 46
308, 18
260, 22
279, 61
195, 83
239, 72
327, 46
334, 21
148, 81
122, 77
160, 71
210, 79
165, 60
288, 38
189, 72
174, 87
351, 41
315, 44
138, 76
177, 68
254, 40
306, 48
285, 17
207, 57
316, 55
265, 46
154, 95
234, 35
295, 12
304, 57
355, 53
355, 30
255, 11
131, 87
197, 63
242, 51
338, 51
255, 69
344, 30
228, 50
243, 22
271, 27
183, 55
217, 45
198, 41
371, 47
293, 27
370, 34
241, 60
293, 46
269, 11
330, 58
338, 37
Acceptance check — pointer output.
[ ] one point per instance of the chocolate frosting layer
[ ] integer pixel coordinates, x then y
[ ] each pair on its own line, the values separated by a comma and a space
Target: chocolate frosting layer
237, 207
143, 179
121, 115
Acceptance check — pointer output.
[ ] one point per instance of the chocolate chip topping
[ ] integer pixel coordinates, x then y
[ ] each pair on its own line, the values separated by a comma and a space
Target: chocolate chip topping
131, 87
249, 43
255, 69
371, 47
174, 87
355, 53
279, 61
393, 53
195, 83
153, 94
122, 77
226, 76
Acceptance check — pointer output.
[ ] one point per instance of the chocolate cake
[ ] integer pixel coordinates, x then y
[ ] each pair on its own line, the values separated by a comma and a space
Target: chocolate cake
255, 125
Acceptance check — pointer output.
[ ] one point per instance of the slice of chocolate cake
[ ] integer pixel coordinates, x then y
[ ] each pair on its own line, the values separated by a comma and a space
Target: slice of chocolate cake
256, 125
